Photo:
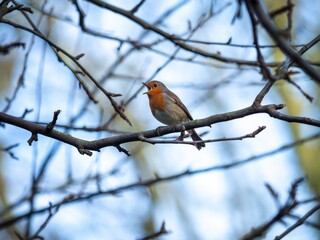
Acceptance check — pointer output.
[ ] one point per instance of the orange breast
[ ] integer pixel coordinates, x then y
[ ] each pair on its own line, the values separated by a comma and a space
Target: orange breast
156, 100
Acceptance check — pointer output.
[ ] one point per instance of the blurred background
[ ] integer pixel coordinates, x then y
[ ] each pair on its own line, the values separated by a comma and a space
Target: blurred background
219, 204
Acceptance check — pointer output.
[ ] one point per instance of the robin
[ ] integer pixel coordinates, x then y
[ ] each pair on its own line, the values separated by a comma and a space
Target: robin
167, 108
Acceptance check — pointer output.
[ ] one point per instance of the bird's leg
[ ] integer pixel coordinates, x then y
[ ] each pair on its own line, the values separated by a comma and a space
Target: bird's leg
181, 137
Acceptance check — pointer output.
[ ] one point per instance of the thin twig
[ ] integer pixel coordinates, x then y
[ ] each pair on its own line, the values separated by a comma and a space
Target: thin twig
300, 221
5, 49
157, 141
161, 232
8, 150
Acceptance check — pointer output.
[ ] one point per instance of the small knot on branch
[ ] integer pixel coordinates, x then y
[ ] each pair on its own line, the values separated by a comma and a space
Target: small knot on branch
51, 125
279, 106
121, 149
256, 132
79, 56
84, 151
34, 137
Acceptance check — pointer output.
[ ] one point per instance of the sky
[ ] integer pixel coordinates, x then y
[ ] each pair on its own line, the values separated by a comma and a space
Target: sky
221, 204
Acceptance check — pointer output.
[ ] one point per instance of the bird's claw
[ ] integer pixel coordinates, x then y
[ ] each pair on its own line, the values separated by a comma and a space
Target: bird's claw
181, 137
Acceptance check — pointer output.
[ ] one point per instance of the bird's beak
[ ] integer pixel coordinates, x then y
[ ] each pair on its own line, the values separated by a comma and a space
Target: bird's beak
147, 87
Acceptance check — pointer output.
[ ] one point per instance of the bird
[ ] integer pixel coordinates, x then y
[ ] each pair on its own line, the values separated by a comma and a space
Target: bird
168, 109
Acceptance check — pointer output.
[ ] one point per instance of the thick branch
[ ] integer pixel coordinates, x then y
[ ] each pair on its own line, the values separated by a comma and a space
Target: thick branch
85, 146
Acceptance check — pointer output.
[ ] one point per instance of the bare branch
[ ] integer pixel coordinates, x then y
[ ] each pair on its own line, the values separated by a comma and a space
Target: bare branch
282, 43
5, 49
146, 183
8, 150
161, 232
169, 37
161, 44
51, 125
262, 64
58, 49
84, 145
52, 211
284, 210
136, 8
249, 135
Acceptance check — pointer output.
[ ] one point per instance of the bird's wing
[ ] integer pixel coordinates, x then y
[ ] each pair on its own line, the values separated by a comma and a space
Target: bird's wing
177, 100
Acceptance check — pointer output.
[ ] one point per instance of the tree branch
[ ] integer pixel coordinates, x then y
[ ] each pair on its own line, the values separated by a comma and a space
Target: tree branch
5, 49
85, 147
71, 198
299, 222
170, 37
268, 24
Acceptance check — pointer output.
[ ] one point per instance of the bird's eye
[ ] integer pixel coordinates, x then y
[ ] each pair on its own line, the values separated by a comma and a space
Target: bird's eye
155, 85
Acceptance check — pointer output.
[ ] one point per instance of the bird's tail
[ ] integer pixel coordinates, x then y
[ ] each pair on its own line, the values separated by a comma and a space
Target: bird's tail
196, 137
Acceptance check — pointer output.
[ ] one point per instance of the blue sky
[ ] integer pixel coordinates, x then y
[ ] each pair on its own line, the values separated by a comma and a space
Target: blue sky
222, 204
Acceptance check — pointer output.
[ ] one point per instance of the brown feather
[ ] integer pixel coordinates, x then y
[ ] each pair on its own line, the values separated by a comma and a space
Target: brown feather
177, 100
